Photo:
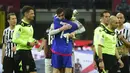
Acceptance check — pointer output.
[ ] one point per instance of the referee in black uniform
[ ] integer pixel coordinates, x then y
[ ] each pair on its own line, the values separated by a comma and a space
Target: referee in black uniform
8, 49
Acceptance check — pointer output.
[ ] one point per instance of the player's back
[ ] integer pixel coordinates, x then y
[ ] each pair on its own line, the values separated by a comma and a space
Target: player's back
59, 44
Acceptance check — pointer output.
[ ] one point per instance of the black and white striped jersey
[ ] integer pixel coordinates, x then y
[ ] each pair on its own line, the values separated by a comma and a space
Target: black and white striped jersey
125, 32
7, 40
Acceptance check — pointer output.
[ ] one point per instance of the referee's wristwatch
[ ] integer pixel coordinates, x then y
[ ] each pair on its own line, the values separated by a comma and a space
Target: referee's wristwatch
28, 43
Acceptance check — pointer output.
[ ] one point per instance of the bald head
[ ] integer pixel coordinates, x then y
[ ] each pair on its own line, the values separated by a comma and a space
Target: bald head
112, 19
113, 22
120, 14
121, 18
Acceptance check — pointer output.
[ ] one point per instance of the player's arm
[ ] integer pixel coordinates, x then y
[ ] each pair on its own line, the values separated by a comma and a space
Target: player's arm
100, 45
100, 40
3, 52
80, 29
126, 43
53, 31
117, 54
119, 58
3, 46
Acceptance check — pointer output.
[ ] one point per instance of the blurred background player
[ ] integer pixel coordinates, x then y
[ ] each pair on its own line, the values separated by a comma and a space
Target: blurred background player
8, 49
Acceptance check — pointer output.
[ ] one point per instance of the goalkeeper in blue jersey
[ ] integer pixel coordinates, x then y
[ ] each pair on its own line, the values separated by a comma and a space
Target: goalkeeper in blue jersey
62, 44
53, 31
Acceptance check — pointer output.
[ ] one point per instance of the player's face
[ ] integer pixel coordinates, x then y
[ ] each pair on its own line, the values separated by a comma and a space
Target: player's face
30, 15
106, 16
121, 19
12, 20
61, 15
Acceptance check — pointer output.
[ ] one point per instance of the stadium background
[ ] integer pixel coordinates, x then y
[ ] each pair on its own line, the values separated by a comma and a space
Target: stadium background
89, 13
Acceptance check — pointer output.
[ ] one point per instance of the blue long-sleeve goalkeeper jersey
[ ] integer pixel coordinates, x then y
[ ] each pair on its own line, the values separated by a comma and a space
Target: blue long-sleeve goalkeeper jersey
60, 45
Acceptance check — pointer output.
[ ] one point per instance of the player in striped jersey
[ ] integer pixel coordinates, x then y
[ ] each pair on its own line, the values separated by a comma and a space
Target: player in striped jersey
123, 50
8, 49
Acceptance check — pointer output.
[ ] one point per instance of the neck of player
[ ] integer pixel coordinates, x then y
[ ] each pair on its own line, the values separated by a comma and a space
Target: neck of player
12, 26
25, 19
120, 27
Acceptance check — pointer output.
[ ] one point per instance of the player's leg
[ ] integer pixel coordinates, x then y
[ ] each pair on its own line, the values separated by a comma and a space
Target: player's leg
7, 65
67, 60
48, 67
28, 64
57, 63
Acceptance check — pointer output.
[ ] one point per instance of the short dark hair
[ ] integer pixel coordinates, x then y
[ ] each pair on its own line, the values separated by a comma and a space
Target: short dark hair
10, 14
68, 13
59, 10
102, 14
26, 9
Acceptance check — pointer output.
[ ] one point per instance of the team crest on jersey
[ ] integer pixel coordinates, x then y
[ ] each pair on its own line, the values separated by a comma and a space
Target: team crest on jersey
100, 30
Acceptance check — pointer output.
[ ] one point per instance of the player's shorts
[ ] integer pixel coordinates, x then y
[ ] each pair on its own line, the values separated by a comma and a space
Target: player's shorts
8, 65
59, 61
25, 58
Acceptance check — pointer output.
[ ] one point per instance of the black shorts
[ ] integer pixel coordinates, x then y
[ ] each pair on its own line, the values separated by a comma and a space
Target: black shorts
110, 63
8, 65
25, 57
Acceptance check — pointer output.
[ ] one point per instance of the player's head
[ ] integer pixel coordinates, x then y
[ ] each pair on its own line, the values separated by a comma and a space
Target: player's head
105, 16
68, 13
60, 13
12, 19
28, 12
113, 22
121, 18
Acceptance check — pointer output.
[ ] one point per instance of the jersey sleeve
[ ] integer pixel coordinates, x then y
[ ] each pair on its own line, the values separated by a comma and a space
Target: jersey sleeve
98, 36
16, 36
128, 35
53, 31
80, 29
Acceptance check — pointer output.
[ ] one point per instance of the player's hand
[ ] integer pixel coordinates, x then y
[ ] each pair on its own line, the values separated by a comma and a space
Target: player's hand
120, 37
121, 63
32, 43
95, 65
101, 65
72, 35
65, 27
13, 49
